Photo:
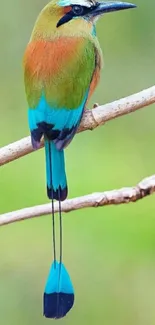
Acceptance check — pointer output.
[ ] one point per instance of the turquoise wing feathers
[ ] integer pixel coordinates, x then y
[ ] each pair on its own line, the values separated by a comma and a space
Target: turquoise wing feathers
56, 106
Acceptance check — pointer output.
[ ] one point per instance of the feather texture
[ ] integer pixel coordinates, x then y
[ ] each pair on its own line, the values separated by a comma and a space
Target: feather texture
57, 69
61, 71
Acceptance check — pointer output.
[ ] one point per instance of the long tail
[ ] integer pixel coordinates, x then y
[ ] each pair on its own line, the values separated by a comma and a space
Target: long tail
55, 172
59, 292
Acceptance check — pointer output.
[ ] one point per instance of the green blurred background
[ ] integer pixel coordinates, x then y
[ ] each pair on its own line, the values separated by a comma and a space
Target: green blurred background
109, 251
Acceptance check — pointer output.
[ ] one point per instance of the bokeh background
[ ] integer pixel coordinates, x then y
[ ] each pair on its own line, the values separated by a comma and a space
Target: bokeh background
109, 251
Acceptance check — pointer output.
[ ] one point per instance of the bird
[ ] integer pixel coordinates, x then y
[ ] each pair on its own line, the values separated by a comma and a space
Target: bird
62, 67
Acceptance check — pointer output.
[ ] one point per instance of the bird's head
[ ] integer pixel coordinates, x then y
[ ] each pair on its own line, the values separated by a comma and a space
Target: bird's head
88, 9
61, 16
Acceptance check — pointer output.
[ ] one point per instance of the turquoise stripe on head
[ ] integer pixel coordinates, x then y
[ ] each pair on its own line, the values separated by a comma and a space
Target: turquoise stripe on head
64, 3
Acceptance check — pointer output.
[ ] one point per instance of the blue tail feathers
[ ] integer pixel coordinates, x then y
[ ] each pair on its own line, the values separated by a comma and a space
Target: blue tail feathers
55, 172
59, 292
58, 127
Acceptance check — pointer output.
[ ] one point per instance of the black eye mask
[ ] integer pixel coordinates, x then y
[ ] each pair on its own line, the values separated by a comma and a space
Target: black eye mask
76, 11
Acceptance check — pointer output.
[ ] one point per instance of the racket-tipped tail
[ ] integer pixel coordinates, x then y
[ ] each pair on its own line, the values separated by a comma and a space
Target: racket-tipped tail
59, 292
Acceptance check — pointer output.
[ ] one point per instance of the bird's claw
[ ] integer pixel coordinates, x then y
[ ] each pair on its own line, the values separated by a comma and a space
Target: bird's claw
95, 105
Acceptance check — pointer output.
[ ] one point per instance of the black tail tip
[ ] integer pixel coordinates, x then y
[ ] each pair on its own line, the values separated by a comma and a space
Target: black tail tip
57, 304
59, 194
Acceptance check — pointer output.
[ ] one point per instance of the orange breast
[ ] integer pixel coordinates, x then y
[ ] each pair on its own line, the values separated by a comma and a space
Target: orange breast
42, 57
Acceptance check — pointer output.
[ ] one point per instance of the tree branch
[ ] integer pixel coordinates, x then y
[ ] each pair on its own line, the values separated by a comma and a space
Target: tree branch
91, 119
123, 195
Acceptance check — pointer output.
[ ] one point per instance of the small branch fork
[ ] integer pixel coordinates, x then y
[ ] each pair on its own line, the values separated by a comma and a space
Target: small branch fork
124, 195
93, 118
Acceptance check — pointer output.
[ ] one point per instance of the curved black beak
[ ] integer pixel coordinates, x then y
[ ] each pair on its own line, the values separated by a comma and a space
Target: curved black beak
98, 9
105, 7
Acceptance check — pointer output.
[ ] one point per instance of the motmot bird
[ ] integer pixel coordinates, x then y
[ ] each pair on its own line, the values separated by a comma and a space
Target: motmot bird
62, 66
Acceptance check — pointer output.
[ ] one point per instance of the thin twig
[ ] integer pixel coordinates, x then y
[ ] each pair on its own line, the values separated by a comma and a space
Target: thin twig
91, 119
123, 195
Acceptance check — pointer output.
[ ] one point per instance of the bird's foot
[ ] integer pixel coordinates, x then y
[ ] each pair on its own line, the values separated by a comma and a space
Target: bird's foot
95, 105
